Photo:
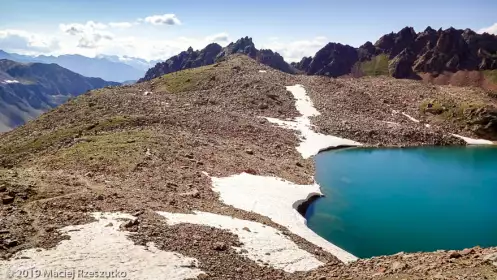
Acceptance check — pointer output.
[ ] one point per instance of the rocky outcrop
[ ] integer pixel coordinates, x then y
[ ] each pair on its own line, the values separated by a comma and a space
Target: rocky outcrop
395, 43
303, 64
400, 66
184, 60
243, 45
483, 121
366, 51
274, 60
214, 52
409, 52
333, 60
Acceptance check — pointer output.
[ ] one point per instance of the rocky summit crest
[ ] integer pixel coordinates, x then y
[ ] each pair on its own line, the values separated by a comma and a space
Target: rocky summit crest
407, 53
214, 52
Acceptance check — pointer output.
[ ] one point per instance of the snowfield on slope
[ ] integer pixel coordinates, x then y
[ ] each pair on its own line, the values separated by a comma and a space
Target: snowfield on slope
311, 142
276, 198
263, 244
471, 141
100, 247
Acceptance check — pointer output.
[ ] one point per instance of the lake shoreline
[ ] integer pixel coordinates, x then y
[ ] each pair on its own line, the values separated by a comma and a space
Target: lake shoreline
349, 176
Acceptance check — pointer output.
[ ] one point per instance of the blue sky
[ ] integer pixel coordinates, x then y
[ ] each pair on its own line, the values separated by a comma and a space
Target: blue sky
292, 27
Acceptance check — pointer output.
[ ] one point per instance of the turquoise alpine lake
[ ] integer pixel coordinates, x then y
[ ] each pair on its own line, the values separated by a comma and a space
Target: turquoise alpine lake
384, 201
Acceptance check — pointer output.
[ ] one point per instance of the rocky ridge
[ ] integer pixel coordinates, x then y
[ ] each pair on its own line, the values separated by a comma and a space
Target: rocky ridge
408, 53
213, 53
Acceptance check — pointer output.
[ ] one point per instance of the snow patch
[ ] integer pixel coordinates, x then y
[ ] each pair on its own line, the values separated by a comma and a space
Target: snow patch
101, 246
311, 141
472, 141
411, 118
392, 123
262, 71
303, 104
262, 243
277, 199
10, 82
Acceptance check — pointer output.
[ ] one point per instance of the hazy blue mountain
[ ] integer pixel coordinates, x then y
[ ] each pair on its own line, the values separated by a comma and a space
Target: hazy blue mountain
94, 67
135, 62
29, 89
110, 68
129, 82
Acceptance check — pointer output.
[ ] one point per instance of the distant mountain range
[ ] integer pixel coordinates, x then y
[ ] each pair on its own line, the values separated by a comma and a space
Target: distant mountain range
451, 56
407, 54
111, 68
30, 85
29, 89
214, 52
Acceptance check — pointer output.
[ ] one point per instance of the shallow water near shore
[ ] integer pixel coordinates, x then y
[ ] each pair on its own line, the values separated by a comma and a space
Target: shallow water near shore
384, 201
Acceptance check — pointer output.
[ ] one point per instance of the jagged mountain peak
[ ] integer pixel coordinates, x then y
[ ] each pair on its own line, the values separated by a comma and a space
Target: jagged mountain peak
406, 53
214, 52
429, 30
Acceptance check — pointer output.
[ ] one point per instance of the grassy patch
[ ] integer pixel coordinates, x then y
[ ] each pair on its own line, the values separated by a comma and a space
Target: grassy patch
184, 80
46, 140
115, 122
432, 106
377, 66
120, 151
448, 110
491, 75
65, 136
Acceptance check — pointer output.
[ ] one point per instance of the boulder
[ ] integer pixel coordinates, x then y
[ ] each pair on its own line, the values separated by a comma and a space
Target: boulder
7, 199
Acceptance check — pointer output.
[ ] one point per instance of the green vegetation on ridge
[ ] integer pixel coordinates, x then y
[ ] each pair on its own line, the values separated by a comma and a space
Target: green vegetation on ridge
185, 80
491, 75
377, 66
464, 112
116, 151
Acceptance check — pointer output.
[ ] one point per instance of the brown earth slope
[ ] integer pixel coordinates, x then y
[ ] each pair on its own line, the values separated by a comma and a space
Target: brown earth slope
143, 147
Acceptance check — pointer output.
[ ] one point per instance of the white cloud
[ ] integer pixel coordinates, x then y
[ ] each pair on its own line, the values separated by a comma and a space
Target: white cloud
94, 38
26, 42
96, 25
123, 24
85, 42
92, 41
153, 49
218, 38
491, 29
90, 34
72, 30
165, 19
296, 50
78, 28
